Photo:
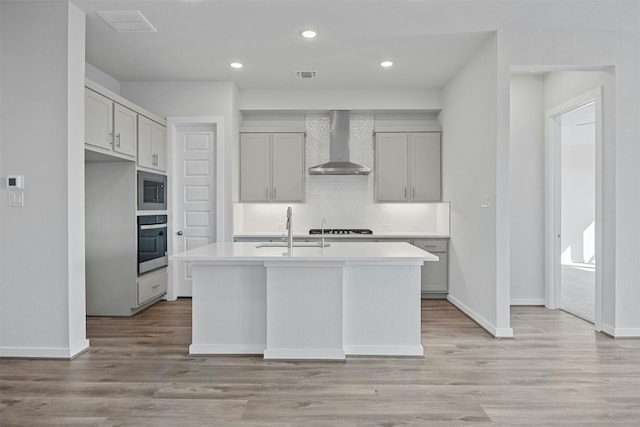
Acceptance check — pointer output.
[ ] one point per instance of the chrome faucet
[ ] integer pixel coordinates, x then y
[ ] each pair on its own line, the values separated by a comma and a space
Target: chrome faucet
290, 230
324, 223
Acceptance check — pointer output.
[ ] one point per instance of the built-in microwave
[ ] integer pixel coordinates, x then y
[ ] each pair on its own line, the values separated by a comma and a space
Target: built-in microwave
152, 191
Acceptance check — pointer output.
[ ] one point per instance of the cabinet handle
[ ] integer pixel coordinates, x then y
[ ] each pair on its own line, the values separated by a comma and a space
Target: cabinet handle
111, 138
156, 286
405, 192
118, 142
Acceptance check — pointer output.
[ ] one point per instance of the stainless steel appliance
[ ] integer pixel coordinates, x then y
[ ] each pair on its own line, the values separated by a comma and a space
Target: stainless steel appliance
152, 242
341, 231
152, 191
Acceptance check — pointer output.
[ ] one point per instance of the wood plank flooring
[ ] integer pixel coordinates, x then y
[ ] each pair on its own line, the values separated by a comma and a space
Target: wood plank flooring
557, 371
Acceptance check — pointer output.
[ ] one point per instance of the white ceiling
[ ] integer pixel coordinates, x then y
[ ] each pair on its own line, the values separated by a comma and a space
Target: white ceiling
197, 39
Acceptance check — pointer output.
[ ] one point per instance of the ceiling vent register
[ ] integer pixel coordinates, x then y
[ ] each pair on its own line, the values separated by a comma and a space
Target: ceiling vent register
127, 21
306, 74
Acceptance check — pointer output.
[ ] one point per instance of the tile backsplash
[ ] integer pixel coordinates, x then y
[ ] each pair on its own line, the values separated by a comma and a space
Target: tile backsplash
346, 201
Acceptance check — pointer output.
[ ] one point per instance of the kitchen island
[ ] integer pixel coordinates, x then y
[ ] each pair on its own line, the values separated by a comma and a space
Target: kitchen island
311, 303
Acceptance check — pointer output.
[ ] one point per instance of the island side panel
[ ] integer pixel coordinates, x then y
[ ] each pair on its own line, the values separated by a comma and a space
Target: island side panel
382, 310
304, 311
229, 309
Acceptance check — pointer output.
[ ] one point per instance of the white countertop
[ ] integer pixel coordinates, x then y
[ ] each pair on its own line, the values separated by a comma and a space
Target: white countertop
375, 235
337, 251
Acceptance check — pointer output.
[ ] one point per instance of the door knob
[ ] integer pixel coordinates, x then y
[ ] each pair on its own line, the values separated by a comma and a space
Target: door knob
179, 233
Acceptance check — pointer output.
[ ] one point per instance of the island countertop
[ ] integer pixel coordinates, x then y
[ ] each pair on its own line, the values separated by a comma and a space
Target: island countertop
336, 251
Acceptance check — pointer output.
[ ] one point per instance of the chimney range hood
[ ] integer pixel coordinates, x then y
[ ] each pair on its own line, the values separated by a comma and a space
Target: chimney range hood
339, 163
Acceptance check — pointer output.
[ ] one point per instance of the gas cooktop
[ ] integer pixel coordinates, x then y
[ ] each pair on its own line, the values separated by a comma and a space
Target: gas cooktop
341, 231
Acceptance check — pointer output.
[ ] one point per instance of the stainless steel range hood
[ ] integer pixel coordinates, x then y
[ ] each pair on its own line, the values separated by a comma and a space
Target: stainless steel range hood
339, 163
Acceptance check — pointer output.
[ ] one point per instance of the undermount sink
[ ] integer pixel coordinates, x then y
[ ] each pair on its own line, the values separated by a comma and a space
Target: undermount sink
295, 245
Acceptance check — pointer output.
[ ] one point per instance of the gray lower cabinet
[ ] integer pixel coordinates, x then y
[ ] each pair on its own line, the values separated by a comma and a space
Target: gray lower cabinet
435, 274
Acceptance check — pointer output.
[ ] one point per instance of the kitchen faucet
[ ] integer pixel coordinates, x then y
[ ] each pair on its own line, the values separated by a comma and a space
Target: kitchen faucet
290, 230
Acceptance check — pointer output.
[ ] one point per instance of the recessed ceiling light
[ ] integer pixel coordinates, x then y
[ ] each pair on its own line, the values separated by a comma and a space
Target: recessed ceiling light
236, 65
308, 34
386, 64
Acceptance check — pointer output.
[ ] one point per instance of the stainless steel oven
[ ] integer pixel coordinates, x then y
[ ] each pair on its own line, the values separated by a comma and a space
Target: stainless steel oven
152, 242
152, 191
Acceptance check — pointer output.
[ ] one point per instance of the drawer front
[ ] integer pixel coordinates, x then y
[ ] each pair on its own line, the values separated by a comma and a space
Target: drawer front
152, 285
431, 245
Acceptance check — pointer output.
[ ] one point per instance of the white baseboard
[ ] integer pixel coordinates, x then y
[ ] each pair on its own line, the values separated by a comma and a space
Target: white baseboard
45, 352
309, 354
492, 329
384, 350
527, 301
621, 332
201, 349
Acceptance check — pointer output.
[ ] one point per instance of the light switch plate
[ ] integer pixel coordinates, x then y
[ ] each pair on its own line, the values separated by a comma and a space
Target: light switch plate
16, 198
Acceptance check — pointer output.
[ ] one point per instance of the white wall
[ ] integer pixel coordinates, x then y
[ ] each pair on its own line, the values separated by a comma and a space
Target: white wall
42, 112
527, 189
469, 122
102, 78
562, 86
197, 99
323, 100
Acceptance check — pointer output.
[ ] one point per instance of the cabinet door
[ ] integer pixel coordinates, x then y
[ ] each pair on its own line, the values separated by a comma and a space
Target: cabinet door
124, 129
98, 125
287, 171
435, 274
424, 164
145, 142
391, 167
159, 146
254, 167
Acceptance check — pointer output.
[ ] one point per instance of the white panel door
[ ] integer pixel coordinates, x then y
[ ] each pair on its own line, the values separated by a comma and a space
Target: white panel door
194, 213
287, 171
425, 167
392, 176
98, 119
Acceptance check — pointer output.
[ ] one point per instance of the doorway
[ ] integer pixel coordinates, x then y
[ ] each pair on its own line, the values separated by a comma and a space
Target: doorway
573, 161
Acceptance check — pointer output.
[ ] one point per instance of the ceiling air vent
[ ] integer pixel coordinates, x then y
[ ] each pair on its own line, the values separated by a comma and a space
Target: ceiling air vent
127, 21
306, 74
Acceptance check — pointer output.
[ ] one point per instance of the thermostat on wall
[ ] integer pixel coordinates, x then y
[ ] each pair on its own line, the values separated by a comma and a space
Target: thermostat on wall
15, 181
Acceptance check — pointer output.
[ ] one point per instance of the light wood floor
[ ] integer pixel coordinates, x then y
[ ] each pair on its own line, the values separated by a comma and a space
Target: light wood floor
557, 371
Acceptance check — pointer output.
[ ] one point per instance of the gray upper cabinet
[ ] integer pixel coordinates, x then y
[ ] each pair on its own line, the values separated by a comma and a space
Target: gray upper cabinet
98, 120
109, 125
408, 167
152, 144
272, 167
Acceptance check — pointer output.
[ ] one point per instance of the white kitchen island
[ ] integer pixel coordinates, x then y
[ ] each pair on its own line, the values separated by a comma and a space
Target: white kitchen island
313, 303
